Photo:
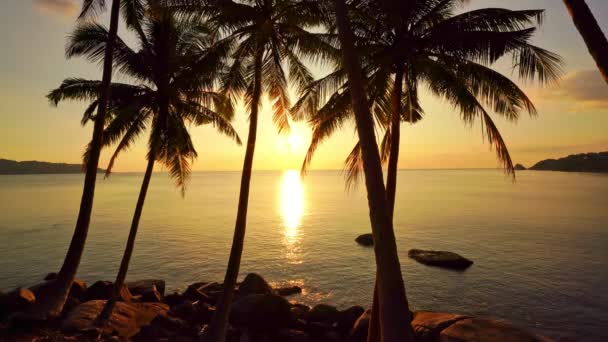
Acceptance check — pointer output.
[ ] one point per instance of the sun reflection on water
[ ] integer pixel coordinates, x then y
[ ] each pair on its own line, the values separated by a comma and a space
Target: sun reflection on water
292, 210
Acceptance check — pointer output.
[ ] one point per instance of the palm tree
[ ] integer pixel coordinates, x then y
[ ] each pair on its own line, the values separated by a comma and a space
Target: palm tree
263, 36
449, 53
591, 32
52, 295
175, 70
392, 298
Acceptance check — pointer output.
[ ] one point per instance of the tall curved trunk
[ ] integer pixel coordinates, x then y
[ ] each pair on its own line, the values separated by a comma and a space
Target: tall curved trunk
394, 309
52, 296
375, 333
126, 258
591, 32
219, 323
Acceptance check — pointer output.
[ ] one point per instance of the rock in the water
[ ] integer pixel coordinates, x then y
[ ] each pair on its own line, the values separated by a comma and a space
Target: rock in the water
16, 300
440, 259
288, 291
254, 284
322, 313
520, 167
481, 329
261, 311
103, 290
365, 240
126, 319
141, 286
359, 331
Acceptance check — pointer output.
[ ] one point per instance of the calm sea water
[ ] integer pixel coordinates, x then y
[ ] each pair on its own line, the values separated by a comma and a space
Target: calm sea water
540, 245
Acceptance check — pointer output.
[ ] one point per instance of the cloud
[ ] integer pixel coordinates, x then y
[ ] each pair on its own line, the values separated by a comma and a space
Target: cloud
62, 8
583, 89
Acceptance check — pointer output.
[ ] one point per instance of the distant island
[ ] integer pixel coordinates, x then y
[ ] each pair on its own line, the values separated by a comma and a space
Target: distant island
12, 167
584, 162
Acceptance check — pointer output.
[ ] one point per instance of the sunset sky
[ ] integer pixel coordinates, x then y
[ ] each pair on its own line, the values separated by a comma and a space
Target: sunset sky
573, 115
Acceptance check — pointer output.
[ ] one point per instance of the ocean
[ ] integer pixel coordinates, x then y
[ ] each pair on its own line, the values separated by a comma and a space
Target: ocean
540, 245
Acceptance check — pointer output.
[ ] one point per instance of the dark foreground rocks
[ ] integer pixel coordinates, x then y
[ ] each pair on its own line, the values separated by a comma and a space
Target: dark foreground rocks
259, 314
365, 240
440, 259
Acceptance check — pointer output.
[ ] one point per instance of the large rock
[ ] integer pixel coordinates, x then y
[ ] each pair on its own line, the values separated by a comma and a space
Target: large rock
261, 311
365, 240
440, 259
428, 325
126, 319
359, 331
348, 317
78, 289
103, 290
322, 313
141, 287
254, 284
16, 300
481, 329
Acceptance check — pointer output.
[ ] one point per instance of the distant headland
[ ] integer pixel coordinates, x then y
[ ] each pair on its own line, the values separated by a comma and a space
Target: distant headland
583, 162
12, 167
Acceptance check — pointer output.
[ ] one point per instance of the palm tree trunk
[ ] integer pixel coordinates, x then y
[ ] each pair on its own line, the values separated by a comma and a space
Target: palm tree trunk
126, 258
219, 323
591, 32
374, 332
53, 296
394, 310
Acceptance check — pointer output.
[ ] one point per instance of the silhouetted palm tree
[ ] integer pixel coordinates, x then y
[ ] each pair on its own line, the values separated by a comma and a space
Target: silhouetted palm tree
52, 295
176, 72
263, 37
591, 32
395, 320
450, 53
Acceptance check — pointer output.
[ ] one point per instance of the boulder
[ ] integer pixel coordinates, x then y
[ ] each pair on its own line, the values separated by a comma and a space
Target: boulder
142, 286
103, 290
440, 259
359, 331
174, 299
365, 240
151, 295
428, 325
126, 319
323, 313
288, 291
261, 311
348, 317
292, 335
78, 289
254, 284
481, 329
299, 311
16, 300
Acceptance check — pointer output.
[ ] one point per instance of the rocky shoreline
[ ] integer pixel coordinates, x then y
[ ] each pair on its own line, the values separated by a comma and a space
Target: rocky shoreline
259, 313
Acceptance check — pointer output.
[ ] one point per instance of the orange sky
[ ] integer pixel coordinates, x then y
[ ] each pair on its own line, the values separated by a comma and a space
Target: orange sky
572, 115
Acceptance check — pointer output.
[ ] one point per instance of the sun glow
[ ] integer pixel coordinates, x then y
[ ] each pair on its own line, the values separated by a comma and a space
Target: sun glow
294, 141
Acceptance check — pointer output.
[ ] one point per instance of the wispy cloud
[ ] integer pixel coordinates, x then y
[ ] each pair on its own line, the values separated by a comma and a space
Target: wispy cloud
62, 8
583, 89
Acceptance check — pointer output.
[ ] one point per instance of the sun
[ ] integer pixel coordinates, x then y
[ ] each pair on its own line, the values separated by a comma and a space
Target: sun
294, 141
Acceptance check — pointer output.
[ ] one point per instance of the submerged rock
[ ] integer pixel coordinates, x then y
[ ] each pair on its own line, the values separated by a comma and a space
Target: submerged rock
288, 291
365, 240
440, 259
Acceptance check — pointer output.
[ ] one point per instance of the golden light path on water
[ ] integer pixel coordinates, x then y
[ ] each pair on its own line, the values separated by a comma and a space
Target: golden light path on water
292, 206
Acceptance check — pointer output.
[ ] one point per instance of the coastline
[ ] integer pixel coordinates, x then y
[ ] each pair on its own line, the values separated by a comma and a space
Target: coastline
259, 313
